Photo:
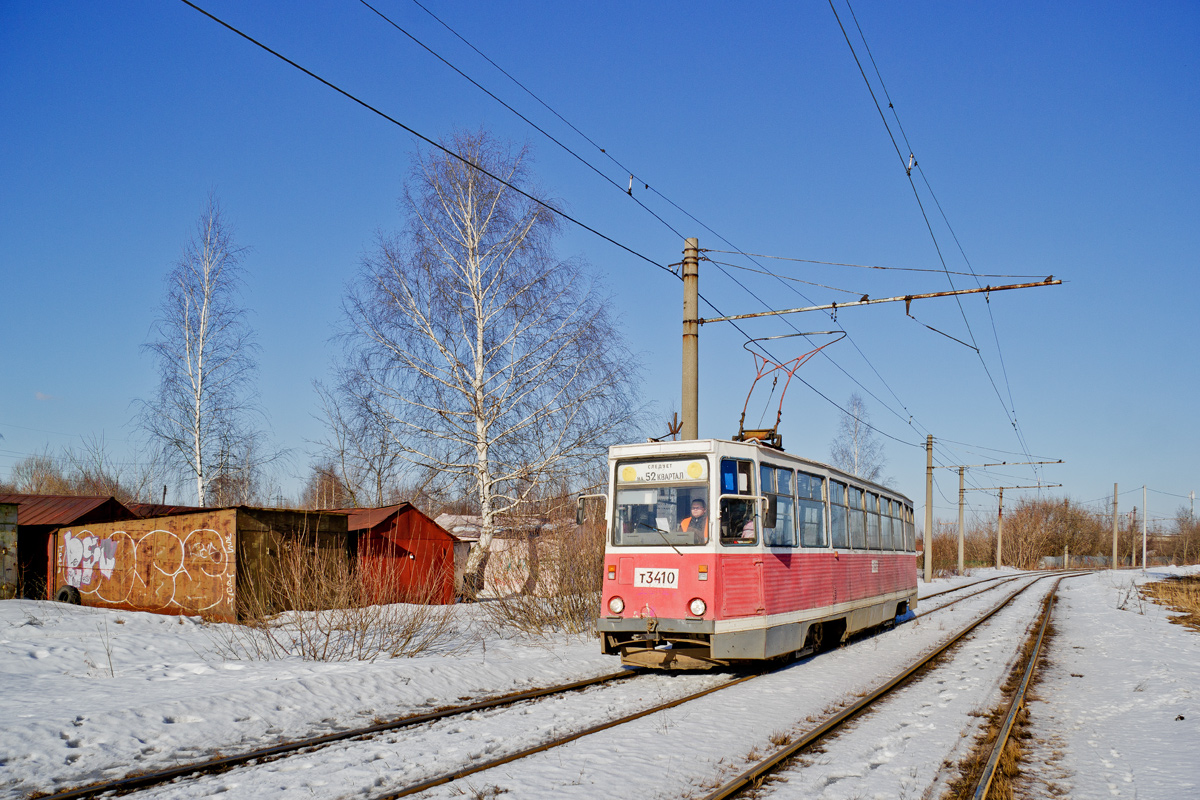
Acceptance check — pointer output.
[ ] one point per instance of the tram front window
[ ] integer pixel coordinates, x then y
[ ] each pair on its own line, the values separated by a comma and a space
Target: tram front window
661, 516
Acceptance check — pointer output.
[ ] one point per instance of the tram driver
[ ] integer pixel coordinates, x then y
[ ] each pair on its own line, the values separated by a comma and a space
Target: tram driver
697, 523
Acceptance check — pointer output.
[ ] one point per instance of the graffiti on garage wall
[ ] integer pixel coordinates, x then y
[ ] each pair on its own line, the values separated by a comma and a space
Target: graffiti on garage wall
156, 570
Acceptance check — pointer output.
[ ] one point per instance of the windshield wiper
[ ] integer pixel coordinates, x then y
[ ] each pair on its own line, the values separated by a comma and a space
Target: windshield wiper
661, 533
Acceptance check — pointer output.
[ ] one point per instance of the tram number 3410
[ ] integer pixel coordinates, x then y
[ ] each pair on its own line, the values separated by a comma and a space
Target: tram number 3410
656, 578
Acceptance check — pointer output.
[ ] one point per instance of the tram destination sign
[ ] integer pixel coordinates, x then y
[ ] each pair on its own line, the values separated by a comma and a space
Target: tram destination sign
695, 469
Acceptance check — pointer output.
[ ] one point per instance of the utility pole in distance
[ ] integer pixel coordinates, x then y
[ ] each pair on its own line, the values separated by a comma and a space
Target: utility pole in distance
962, 498
961, 493
1000, 512
690, 400
928, 509
1144, 515
1114, 560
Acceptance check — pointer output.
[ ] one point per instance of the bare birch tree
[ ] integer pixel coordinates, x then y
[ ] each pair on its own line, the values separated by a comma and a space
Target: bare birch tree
855, 448
489, 361
359, 447
202, 416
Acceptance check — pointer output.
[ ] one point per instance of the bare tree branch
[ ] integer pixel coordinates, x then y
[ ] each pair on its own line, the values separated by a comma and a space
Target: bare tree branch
203, 415
855, 448
479, 356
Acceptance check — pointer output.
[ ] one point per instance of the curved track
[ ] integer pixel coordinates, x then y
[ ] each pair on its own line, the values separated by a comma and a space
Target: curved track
764, 768
474, 763
263, 754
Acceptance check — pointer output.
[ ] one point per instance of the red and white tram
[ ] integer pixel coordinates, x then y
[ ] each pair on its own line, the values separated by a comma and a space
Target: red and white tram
721, 552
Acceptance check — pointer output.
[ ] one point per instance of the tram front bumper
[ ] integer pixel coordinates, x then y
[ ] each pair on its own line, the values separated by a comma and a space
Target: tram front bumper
653, 624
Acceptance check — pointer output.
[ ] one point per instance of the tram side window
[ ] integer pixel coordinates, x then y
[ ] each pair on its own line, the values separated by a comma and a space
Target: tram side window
872, 504
910, 535
837, 514
812, 510
739, 517
776, 484
897, 526
858, 519
885, 524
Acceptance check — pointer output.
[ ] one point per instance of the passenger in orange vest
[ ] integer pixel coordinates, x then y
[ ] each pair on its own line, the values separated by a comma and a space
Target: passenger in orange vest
697, 523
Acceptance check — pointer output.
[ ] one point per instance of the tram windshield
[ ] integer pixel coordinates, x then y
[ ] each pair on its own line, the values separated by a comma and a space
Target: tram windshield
661, 504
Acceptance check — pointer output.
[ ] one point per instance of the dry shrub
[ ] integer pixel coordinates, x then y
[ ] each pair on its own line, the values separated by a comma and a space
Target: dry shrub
1180, 593
565, 595
314, 605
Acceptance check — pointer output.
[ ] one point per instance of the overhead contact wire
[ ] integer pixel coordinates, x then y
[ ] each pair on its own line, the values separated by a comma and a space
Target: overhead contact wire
928, 225
427, 140
646, 183
525, 119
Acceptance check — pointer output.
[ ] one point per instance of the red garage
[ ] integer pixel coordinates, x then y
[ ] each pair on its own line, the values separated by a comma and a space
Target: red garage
403, 555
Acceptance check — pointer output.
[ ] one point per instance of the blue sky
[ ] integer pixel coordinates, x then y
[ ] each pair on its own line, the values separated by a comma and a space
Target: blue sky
1058, 139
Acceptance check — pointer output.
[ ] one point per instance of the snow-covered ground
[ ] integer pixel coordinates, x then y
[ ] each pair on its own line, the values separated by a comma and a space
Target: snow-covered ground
1118, 708
169, 697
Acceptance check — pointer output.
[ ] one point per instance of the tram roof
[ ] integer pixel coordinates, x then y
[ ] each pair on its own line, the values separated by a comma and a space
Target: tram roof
703, 446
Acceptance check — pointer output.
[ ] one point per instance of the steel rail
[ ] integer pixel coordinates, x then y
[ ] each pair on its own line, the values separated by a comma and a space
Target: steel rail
148, 779
473, 769
1018, 701
967, 596
145, 780
960, 587
447, 777
755, 775
1006, 578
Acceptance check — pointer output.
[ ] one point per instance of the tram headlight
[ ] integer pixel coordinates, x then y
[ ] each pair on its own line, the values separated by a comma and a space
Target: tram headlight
697, 607
616, 605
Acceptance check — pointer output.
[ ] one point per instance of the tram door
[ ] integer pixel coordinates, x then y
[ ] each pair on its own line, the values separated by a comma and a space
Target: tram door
741, 558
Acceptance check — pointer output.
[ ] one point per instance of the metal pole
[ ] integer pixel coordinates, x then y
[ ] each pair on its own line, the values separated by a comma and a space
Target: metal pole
1132, 541
1144, 515
1000, 529
1114, 561
691, 343
929, 509
961, 494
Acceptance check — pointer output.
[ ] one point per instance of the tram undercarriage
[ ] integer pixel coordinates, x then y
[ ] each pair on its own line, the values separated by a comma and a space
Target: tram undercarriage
674, 644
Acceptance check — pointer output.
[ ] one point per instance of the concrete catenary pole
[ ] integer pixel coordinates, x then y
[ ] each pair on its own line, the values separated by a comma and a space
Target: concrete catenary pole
928, 509
691, 340
1000, 529
1114, 561
1144, 515
961, 494
1133, 542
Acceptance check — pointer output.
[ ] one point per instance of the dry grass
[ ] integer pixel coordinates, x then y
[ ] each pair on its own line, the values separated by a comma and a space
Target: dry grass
1182, 594
315, 606
780, 739
1008, 768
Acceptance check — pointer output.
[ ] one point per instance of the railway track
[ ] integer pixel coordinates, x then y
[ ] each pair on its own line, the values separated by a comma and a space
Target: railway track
144, 780
781, 759
475, 764
962, 586
983, 784
957, 600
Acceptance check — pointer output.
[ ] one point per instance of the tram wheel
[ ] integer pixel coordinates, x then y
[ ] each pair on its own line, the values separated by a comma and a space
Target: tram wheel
816, 635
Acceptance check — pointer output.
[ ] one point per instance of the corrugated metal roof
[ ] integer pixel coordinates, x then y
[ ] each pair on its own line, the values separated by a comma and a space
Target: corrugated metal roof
361, 519
160, 510
50, 509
